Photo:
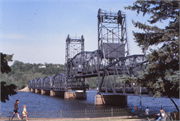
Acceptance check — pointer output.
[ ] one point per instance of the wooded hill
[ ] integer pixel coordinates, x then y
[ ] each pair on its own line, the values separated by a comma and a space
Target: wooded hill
21, 73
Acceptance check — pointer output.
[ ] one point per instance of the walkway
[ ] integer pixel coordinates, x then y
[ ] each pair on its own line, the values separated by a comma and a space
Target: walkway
122, 118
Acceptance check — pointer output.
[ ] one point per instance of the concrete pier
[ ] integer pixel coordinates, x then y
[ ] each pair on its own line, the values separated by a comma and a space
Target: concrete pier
32, 90
111, 100
45, 92
57, 93
75, 95
37, 91
52, 93
42, 92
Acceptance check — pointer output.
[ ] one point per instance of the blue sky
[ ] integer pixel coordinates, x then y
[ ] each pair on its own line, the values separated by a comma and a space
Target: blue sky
35, 31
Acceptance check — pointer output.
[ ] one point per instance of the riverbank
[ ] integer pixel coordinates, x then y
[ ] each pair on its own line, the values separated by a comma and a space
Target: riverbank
25, 89
121, 118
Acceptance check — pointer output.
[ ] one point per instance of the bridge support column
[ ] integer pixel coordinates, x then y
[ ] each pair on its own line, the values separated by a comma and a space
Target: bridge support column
111, 100
37, 90
42, 92
75, 95
45, 92
52, 93
32, 90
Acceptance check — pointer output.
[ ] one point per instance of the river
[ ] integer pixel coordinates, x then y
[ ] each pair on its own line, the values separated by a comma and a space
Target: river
38, 102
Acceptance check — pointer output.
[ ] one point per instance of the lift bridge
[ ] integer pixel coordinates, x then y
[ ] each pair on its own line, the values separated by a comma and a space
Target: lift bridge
109, 62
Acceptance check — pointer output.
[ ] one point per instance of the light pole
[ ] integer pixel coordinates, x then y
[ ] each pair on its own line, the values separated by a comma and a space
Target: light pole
140, 102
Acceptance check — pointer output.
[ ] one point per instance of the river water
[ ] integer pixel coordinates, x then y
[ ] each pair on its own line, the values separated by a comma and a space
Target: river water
38, 102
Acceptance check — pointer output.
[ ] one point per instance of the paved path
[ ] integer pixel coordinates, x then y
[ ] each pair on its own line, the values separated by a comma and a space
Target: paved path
122, 118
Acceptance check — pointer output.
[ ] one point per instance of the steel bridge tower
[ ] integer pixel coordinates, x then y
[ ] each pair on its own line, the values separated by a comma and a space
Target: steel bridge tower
73, 47
112, 37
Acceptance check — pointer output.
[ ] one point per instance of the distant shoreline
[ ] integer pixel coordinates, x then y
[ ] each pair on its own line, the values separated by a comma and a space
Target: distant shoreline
25, 89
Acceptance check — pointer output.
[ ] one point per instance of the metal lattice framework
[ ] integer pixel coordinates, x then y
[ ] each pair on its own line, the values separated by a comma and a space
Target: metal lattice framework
112, 57
112, 38
39, 83
73, 46
84, 65
108, 63
122, 66
48, 82
112, 35
59, 82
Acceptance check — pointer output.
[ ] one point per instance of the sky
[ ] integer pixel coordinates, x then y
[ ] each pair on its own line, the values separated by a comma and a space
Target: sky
35, 31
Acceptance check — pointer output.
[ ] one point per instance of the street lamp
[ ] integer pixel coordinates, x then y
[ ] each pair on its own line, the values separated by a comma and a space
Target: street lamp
140, 102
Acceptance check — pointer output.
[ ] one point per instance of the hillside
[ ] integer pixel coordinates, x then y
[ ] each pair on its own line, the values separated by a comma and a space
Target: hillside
21, 72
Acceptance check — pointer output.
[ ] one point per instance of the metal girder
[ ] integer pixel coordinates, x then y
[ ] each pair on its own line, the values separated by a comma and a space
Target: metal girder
123, 66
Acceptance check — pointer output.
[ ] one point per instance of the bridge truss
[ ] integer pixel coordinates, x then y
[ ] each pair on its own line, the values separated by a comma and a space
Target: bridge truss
109, 63
112, 59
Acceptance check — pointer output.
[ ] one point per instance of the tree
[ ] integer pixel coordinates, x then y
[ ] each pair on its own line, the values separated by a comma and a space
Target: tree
4, 63
6, 90
162, 74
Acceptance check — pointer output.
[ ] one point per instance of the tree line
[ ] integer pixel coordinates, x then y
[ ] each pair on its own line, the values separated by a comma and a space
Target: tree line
21, 73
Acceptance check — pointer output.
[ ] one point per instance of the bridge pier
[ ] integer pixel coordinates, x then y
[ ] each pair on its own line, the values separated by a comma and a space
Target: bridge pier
57, 93
37, 91
52, 93
42, 92
111, 100
45, 92
75, 95
32, 90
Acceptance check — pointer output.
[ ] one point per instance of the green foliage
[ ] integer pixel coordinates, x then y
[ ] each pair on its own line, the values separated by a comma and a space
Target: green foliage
21, 72
162, 73
92, 82
4, 63
7, 90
